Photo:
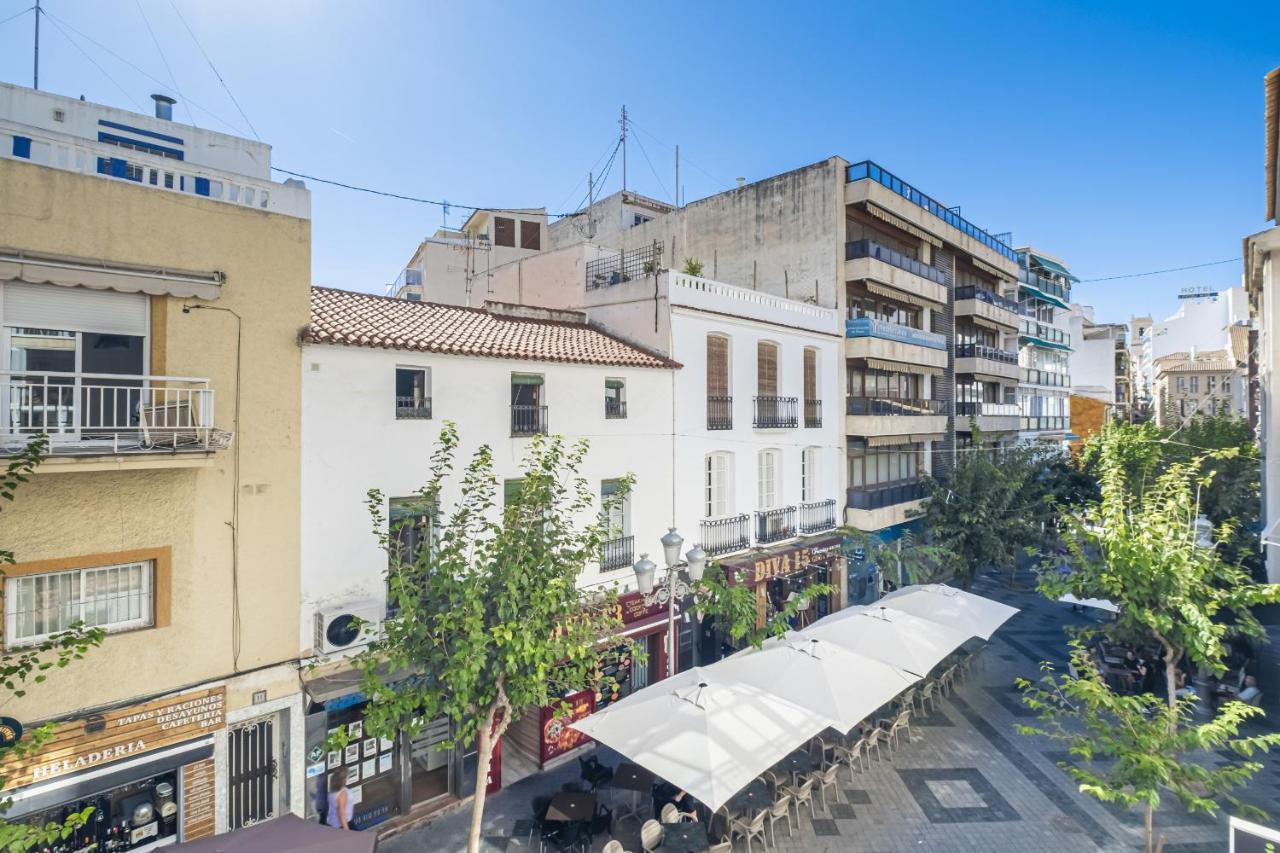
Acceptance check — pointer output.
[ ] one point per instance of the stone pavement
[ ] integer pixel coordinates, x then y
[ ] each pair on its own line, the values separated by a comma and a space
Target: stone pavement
967, 783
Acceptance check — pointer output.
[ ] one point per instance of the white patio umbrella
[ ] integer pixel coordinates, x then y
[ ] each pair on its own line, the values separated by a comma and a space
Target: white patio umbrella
890, 636
703, 733
1099, 603
842, 686
976, 614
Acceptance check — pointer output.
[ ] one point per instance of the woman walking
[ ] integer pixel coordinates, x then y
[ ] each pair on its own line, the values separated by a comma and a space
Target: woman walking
341, 809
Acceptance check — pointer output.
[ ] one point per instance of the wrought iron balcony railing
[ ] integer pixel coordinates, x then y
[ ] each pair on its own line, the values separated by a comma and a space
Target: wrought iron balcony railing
775, 412
615, 409
528, 420
726, 535
817, 516
618, 553
813, 414
774, 525
719, 413
413, 408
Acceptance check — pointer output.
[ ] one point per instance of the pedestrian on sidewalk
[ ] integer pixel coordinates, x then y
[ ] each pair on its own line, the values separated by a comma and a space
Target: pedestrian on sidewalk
341, 807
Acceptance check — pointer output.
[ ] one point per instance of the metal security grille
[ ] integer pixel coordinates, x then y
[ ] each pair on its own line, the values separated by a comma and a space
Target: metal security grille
253, 775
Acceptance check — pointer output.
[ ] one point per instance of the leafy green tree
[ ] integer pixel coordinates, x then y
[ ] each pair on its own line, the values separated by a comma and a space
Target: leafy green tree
1138, 548
734, 603
990, 507
908, 560
490, 622
1130, 749
24, 667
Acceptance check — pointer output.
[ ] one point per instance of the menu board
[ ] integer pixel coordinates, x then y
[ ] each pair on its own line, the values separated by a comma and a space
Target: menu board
199, 796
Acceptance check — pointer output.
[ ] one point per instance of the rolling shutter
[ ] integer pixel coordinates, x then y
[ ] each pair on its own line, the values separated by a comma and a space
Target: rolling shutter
717, 366
766, 369
73, 309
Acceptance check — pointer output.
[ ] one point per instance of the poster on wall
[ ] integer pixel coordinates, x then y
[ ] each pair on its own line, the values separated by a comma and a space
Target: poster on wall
557, 737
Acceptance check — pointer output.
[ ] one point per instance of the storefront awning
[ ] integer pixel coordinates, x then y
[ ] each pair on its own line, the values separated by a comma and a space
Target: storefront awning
1053, 267
990, 270
888, 440
902, 224
931, 436
902, 366
1043, 296
991, 324
97, 275
909, 298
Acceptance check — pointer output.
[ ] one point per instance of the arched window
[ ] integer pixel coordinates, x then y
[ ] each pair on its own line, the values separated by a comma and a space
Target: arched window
718, 485
770, 473
810, 474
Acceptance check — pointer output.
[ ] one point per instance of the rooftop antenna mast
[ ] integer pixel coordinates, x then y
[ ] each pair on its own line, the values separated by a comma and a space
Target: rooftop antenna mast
623, 122
35, 76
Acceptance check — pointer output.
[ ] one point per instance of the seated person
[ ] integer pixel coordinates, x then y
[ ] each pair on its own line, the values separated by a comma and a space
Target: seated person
1250, 693
1181, 688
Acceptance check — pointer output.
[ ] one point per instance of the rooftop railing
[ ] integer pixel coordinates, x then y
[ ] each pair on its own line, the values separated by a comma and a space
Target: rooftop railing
869, 170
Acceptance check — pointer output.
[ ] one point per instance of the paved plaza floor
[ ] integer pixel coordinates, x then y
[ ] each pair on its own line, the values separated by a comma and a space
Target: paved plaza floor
968, 782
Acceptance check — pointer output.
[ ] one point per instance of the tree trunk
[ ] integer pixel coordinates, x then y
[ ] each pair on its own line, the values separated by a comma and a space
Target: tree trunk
484, 752
1148, 828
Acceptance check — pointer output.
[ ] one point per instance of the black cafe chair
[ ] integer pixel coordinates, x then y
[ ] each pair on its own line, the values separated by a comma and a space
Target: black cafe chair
538, 820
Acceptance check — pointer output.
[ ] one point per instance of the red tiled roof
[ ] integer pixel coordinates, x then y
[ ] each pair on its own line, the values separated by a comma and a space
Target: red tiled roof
380, 322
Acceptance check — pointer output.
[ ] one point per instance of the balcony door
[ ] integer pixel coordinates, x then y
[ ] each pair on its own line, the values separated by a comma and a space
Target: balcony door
75, 361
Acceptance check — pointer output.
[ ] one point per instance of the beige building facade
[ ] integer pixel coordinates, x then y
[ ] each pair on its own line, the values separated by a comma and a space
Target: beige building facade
150, 300
1190, 384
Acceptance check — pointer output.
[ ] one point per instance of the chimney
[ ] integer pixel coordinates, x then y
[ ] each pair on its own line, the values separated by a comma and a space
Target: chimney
1193, 352
164, 106
741, 182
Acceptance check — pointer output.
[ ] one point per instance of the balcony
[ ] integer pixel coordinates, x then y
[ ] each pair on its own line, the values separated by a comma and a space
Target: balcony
618, 553
102, 414
866, 260
818, 516
615, 410
1049, 423
775, 412
413, 408
1043, 335
774, 525
855, 249
991, 417
986, 360
1038, 287
894, 416
980, 302
1049, 378
879, 339
879, 507
528, 420
813, 414
867, 170
719, 413
726, 535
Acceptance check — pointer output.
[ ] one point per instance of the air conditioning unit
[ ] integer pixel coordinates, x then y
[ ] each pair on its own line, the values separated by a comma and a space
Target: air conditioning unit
347, 627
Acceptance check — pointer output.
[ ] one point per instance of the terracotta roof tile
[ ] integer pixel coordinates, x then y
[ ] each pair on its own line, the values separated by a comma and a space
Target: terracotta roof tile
363, 319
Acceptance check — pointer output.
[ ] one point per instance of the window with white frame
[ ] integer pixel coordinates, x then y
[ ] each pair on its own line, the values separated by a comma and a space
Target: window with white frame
770, 463
717, 485
114, 598
809, 485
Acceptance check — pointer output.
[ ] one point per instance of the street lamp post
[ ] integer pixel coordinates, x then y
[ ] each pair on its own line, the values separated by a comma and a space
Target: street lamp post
673, 587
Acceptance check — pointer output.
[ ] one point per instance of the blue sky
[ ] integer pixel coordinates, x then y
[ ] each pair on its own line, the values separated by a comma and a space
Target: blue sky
1123, 137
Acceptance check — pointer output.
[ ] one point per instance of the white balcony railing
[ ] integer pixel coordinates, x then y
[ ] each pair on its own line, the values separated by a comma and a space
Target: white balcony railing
104, 413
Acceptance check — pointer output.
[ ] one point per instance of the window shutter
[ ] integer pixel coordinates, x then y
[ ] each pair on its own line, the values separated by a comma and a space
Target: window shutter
810, 374
504, 231
511, 492
717, 366
74, 309
766, 369
530, 235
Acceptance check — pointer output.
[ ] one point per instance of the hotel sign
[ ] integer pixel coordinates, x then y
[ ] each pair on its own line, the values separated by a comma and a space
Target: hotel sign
86, 744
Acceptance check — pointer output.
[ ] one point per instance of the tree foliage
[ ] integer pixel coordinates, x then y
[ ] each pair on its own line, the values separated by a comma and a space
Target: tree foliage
907, 560
24, 667
1128, 750
734, 603
1138, 548
490, 622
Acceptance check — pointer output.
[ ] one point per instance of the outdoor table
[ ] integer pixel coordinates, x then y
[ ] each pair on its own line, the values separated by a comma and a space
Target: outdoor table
751, 799
571, 808
633, 778
797, 763
684, 837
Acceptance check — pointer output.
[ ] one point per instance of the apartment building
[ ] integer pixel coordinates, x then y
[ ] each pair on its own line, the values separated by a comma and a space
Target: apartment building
152, 281
1188, 384
379, 378
1045, 353
1100, 372
1139, 383
928, 301
1261, 277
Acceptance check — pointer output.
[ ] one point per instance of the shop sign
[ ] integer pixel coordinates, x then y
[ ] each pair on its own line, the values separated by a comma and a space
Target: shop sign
632, 609
125, 733
786, 561
199, 791
557, 737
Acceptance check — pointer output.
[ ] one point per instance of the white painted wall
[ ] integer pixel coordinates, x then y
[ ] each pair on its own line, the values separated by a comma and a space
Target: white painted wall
352, 442
1202, 325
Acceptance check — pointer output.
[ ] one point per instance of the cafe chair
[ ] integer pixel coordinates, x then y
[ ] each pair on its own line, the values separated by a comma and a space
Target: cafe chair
802, 796
907, 699
874, 738
829, 778
855, 754
900, 723
753, 828
671, 814
650, 836
722, 847
770, 778
947, 681
928, 694
780, 810
602, 821
594, 773
540, 805
564, 837
613, 846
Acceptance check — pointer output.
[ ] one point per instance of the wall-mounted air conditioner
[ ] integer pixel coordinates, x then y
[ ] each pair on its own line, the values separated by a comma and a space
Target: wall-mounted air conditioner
346, 627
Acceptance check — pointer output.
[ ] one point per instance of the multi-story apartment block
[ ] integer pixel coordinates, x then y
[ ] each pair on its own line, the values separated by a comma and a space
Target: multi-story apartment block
1261, 278
152, 282
379, 377
1045, 352
1139, 383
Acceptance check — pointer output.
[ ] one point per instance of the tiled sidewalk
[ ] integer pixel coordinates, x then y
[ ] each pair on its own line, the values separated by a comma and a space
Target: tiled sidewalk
967, 783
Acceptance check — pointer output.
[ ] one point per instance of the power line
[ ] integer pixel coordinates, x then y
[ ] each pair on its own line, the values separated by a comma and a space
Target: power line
683, 158
651, 169
1161, 272
225, 87
415, 199
16, 15
583, 179
150, 77
163, 59
92, 61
